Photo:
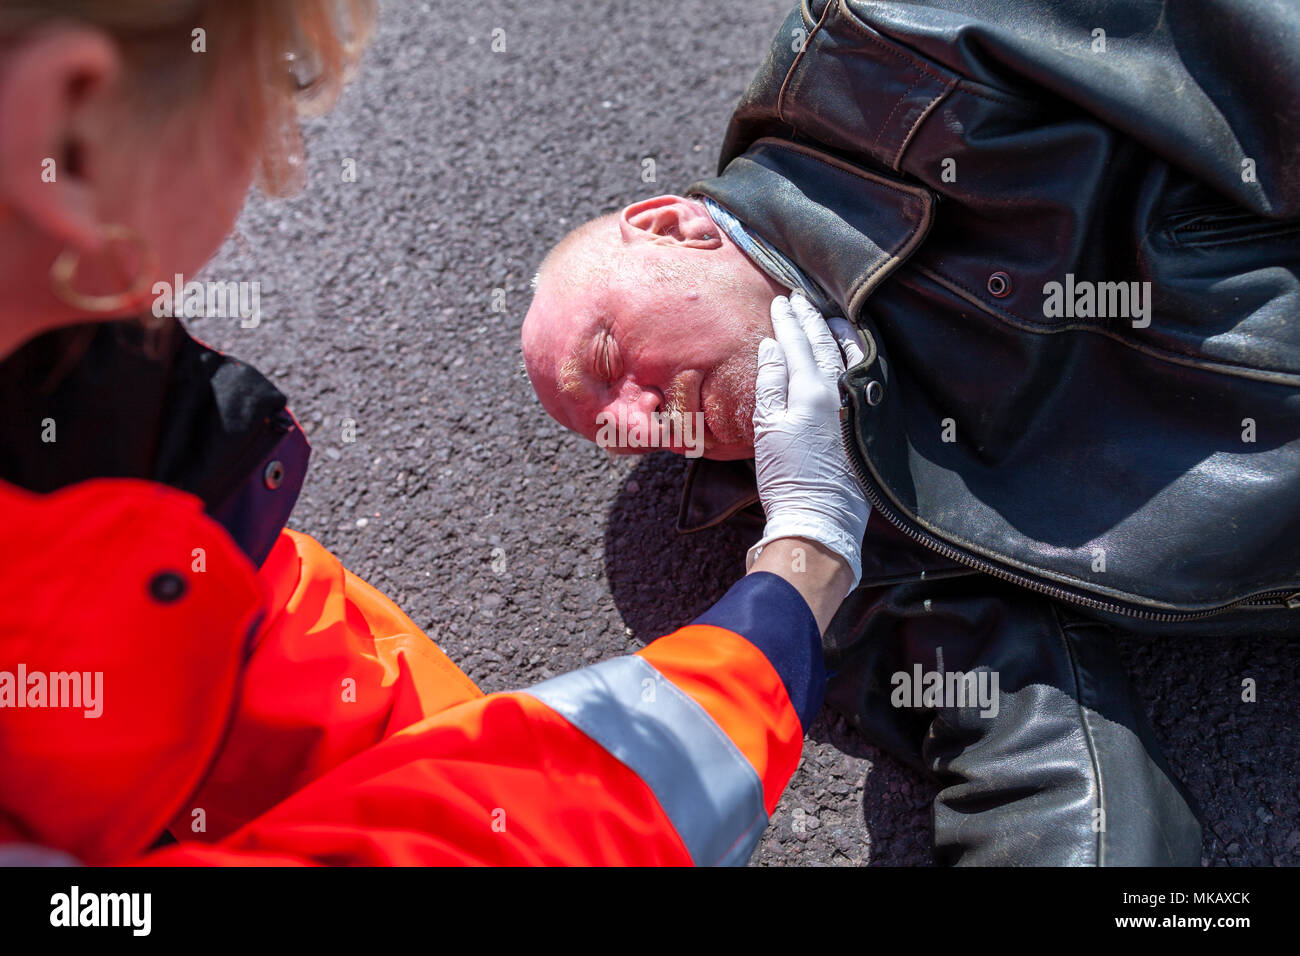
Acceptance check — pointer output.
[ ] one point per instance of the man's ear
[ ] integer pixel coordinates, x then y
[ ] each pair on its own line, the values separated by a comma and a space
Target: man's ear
52, 122
669, 220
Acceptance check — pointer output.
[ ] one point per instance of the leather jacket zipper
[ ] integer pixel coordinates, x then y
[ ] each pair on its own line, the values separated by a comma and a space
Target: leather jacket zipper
879, 503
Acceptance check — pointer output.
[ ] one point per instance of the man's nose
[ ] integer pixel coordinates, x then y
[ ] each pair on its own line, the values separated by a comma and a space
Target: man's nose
640, 400
636, 406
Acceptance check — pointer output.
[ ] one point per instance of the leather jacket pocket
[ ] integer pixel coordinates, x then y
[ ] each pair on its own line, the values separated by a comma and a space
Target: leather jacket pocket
1221, 225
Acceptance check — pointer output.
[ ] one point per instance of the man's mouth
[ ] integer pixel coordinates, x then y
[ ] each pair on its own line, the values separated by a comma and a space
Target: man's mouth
687, 402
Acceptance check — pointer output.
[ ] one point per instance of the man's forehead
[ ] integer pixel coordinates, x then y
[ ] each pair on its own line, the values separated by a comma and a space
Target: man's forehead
547, 328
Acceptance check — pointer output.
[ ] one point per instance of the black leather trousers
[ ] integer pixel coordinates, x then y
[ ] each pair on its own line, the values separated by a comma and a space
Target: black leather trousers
1059, 767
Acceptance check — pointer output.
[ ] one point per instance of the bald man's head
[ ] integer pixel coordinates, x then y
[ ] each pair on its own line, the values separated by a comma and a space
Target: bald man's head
650, 310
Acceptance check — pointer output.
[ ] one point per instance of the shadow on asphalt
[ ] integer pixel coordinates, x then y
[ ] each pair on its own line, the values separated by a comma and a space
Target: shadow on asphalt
660, 579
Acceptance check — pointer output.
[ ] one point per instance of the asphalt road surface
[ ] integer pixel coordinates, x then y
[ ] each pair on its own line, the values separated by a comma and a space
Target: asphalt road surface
523, 550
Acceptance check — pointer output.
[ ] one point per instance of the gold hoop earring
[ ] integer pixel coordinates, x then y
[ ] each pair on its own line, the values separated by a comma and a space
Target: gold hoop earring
64, 271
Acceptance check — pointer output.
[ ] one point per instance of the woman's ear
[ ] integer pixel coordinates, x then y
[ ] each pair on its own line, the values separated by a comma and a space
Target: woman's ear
669, 220
54, 119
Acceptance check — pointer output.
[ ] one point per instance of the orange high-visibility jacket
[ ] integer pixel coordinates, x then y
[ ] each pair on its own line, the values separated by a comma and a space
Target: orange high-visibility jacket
153, 677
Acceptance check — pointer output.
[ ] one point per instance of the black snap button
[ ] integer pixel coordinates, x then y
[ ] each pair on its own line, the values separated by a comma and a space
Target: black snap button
167, 587
1000, 284
273, 475
873, 392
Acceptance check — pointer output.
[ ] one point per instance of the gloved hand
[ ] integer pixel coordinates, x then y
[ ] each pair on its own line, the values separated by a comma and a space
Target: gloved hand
805, 481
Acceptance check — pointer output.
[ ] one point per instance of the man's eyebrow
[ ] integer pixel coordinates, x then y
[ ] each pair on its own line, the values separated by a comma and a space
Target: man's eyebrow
570, 379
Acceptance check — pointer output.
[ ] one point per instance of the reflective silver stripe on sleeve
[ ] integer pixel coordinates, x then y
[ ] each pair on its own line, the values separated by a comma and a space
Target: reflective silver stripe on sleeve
707, 787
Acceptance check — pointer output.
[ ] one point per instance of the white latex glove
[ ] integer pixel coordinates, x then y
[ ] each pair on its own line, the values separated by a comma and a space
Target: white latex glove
805, 481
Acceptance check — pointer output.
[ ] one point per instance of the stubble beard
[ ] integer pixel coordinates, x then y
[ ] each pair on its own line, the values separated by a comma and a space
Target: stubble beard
730, 405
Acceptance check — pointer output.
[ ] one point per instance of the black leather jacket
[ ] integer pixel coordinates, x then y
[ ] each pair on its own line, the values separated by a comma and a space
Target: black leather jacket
936, 165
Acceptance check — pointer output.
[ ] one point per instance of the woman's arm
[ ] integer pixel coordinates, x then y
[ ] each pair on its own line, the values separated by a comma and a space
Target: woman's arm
820, 575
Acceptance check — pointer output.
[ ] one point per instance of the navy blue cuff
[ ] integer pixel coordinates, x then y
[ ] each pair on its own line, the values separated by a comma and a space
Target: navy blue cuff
767, 611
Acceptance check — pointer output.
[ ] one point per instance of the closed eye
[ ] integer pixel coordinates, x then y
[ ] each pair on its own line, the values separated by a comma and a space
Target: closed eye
604, 369
607, 360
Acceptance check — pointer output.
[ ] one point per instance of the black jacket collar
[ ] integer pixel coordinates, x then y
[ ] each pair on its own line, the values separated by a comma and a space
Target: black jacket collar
108, 400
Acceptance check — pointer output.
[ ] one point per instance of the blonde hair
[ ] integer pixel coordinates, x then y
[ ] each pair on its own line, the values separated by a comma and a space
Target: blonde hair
296, 54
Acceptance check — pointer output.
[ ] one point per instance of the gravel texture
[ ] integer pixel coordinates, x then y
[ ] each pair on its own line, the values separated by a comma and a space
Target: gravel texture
521, 549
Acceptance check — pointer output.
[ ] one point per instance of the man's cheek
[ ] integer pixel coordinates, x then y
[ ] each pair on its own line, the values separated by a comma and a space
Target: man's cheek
731, 415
